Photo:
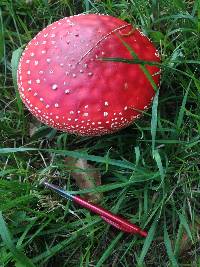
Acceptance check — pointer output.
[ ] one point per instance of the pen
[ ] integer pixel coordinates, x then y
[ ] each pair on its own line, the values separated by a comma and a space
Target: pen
109, 217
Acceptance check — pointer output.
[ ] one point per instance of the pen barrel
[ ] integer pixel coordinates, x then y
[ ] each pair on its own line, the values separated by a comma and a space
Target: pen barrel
106, 215
109, 217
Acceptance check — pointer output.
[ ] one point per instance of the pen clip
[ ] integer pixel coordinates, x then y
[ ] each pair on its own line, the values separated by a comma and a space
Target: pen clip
117, 225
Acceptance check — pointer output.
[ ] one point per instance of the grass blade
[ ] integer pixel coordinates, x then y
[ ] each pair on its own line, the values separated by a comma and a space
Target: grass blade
2, 42
142, 66
159, 164
87, 5
147, 242
74, 154
109, 250
14, 63
182, 109
169, 248
154, 120
17, 254
185, 224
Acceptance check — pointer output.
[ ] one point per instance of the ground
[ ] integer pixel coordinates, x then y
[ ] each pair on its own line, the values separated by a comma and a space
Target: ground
150, 170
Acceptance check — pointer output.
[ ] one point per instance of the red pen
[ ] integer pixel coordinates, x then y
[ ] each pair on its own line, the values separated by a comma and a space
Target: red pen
106, 215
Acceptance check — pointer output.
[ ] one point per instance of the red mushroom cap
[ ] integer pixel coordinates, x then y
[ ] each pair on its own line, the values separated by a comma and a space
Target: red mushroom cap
64, 83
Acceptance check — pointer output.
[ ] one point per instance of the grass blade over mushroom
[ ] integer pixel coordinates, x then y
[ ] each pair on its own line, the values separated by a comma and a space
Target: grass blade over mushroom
141, 63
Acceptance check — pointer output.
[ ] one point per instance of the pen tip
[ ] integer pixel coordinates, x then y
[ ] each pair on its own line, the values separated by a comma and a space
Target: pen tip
46, 184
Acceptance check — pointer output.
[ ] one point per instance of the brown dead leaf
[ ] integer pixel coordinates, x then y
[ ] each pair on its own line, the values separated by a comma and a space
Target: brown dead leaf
86, 177
33, 126
186, 243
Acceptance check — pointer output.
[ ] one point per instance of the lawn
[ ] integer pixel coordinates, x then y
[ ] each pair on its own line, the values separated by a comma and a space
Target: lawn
149, 171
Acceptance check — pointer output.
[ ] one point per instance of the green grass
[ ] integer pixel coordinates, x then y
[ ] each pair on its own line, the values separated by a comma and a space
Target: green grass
150, 171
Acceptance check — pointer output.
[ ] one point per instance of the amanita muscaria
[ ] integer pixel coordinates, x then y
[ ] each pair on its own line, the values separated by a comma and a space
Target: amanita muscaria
65, 83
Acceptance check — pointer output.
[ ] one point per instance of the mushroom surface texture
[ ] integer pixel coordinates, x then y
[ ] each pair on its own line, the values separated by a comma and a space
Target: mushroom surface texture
65, 82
